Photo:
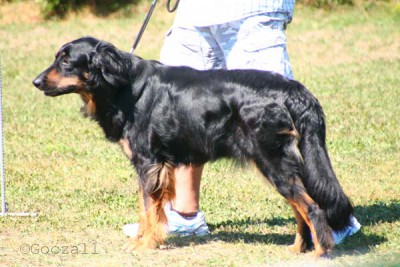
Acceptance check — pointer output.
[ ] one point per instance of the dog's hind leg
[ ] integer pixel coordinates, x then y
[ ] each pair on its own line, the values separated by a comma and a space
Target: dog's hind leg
315, 218
156, 189
302, 242
282, 165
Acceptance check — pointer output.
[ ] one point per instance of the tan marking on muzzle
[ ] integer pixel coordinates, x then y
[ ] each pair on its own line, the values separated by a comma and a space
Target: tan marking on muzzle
53, 77
60, 81
70, 81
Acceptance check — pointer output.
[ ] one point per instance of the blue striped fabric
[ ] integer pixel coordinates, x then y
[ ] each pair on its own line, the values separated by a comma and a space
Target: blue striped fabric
213, 12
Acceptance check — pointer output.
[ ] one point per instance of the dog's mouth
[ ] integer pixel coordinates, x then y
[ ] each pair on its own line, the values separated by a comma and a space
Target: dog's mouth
57, 87
55, 91
58, 91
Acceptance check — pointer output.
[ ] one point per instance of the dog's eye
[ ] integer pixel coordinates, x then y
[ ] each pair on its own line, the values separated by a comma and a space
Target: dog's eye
64, 62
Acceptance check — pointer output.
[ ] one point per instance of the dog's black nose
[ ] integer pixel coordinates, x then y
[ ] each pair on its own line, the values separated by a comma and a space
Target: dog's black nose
37, 82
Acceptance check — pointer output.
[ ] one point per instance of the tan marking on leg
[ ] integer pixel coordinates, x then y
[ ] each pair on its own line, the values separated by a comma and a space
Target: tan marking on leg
126, 148
142, 215
155, 221
299, 245
304, 214
137, 241
302, 205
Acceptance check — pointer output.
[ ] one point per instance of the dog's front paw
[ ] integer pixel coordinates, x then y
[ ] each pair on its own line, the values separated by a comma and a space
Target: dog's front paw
139, 244
297, 248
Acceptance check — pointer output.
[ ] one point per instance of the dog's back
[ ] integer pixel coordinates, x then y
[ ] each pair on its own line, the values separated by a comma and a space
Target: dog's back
212, 114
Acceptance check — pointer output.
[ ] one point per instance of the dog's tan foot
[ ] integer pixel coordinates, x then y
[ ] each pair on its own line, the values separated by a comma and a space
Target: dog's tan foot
131, 244
293, 249
139, 244
322, 254
296, 248
299, 245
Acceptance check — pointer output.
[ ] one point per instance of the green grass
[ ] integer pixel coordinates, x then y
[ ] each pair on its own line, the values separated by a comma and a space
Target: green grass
59, 165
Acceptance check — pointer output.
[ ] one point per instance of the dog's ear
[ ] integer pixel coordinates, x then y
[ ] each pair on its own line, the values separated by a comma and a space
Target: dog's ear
106, 60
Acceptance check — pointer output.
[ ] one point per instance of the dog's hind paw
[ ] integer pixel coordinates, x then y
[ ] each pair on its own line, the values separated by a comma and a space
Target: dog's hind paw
320, 254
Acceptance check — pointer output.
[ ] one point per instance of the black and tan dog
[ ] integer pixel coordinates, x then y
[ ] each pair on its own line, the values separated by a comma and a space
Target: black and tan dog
164, 116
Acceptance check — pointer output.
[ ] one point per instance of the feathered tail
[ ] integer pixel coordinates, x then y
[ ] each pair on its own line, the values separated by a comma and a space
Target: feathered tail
318, 176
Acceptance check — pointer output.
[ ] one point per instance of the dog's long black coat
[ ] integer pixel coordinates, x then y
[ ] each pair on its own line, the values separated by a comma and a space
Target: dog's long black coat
179, 115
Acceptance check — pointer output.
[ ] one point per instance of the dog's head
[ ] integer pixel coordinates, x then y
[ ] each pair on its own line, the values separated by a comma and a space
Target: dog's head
81, 66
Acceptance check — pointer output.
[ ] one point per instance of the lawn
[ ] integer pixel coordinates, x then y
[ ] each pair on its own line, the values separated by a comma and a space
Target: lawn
59, 165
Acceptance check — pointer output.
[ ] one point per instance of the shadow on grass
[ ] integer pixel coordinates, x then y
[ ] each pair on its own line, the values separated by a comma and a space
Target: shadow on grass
233, 231
370, 215
247, 222
380, 212
361, 243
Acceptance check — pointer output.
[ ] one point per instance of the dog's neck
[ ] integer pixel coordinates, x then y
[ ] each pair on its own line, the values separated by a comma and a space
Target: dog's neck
105, 111
105, 103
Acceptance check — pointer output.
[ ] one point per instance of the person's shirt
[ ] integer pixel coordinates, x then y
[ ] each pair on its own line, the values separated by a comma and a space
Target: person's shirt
214, 12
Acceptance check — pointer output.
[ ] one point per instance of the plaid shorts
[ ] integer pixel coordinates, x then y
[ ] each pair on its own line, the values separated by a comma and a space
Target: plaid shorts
257, 42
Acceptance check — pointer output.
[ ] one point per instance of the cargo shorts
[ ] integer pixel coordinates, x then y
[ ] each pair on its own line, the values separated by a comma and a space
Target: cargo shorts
257, 42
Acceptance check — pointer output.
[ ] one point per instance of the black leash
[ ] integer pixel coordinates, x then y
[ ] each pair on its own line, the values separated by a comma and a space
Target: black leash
169, 6
147, 19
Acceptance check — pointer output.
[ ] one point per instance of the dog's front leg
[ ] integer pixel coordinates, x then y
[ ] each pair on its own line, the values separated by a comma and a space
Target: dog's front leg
157, 187
142, 215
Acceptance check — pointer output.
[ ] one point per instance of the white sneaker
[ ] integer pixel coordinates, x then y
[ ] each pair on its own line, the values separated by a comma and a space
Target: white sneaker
131, 229
340, 236
354, 227
183, 226
177, 225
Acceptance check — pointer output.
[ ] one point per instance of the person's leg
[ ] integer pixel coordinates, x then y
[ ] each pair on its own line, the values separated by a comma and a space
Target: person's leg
182, 48
260, 44
183, 214
187, 189
193, 47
